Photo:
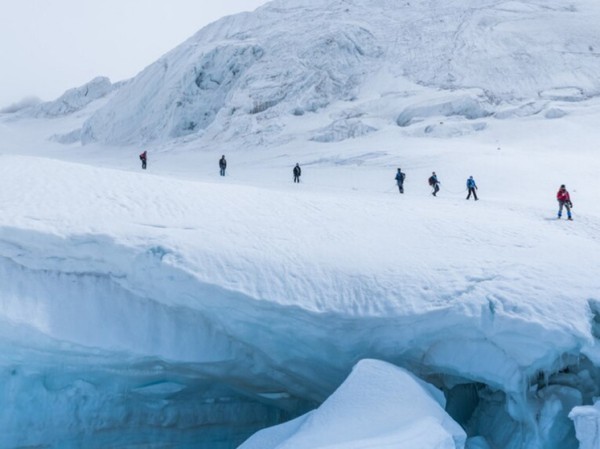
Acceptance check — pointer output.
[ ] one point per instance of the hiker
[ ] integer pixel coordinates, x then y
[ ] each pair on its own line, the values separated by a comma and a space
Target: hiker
222, 165
400, 177
564, 200
297, 173
472, 187
433, 182
144, 159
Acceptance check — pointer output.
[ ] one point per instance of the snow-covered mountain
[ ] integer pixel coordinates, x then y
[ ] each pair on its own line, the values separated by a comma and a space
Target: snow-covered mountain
244, 75
173, 307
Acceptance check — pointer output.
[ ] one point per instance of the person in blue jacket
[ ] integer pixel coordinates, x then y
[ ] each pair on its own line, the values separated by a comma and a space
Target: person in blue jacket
400, 177
472, 187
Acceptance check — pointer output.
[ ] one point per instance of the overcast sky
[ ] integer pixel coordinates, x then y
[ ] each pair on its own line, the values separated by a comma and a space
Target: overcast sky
48, 46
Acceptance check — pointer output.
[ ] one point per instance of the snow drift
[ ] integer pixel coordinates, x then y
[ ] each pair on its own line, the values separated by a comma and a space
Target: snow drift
379, 405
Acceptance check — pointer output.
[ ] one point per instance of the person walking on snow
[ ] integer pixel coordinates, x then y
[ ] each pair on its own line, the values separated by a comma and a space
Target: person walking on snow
222, 165
564, 200
433, 182
297, 173
400, 177
144, 159
472, 187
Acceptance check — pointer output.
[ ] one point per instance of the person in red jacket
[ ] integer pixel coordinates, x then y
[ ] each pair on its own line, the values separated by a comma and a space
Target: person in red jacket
564, 200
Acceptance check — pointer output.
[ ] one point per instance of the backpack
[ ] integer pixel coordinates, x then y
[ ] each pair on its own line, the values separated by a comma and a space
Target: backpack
431, 180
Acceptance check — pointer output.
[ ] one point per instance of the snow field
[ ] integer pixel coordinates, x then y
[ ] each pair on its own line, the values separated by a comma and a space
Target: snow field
405, 279
146, 258
176, 308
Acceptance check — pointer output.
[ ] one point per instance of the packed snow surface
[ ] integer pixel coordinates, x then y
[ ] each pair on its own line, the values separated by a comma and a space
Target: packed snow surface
173, 307
273, 291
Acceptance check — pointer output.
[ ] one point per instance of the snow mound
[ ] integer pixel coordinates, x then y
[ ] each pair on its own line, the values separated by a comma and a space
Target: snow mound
252, 74
524, 110
68, 138
555, 113
379, 405
587, 425
75, 99
342, 130
464, 106
449, 129
564, 94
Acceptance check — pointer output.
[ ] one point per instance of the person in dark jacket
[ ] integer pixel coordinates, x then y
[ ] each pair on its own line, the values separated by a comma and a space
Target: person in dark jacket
297, 173
222, 165
472, 187
564, 201
144, 159
400, 177
433, 182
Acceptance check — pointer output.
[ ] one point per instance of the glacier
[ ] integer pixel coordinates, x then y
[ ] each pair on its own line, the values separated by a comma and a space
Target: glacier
164, 314
176, 308
242, 75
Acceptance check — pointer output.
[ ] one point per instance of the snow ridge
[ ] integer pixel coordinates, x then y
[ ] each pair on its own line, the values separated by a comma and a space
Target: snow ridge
75, 99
